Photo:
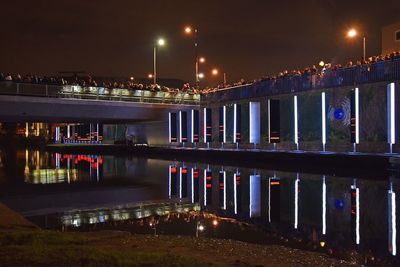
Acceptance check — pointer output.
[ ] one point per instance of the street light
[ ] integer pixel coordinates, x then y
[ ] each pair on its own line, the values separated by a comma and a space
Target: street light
352, 33
215, 73
190, 30
201, 76
160, 42
202, 60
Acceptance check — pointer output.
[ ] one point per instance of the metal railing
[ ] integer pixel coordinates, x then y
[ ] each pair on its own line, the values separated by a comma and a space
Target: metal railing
97, 93
388, 70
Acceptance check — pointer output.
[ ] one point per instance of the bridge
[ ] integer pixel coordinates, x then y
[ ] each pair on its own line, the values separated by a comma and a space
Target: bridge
24, 102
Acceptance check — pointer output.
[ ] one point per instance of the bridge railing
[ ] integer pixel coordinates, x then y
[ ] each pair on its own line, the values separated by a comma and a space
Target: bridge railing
97, 93
388, 70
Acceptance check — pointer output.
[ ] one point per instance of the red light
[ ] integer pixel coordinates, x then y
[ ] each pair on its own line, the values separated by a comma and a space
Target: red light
184, 171
173, 170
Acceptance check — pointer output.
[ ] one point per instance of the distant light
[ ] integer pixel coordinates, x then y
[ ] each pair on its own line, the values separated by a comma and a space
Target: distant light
214, 71
215, 222
150, 75
132, 78
151, 224
202, 60
322, 244
161, 42
201, 75
351, 33
321, 63
188, 30
201, 227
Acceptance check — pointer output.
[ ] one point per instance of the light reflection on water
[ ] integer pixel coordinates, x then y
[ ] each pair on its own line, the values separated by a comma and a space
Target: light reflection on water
337, 212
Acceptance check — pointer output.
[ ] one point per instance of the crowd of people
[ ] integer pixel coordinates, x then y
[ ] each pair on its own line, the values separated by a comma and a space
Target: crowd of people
310, 77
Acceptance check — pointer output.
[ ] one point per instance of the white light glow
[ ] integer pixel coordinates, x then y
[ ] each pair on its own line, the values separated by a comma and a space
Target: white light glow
224, 181
224, 122
392, 222
235, 192
192, 126
169, 126
296, 134
357, 111
391, 114
180, 182
169, 181
205, 187
323, 120
205, 125
255, 196
296, 201
357, 216
234, 122
192, 180
269, 194
180, 126
323, 205
254, 131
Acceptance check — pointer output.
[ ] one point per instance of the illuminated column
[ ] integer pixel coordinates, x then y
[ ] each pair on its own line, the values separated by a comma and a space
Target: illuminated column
68, 131
207, 126
355, 210
237, 123
182, 127
98, 133
58, 159
222, 125
195, 185
236, 190
207, 187
255, 196
296, 201
323, 125
274, 128
391, 116
172, 181
296, 126
195, 125
222, 189
255, 135
274, 199
26, 129
57, 132
355, 119
172, 131
392, 221
323, 205
183, 182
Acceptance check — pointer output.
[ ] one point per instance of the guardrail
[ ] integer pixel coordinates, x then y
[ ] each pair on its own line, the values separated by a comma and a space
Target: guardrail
97, 93
388, 70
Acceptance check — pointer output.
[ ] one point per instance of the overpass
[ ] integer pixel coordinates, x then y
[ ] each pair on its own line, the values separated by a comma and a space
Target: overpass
23, 102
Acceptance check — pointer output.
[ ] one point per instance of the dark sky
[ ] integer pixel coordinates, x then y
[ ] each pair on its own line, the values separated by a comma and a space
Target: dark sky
246, 38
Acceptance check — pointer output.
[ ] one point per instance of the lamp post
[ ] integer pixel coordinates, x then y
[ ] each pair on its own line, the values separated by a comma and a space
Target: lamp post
352, 33
160, 42
215, 72
189, 30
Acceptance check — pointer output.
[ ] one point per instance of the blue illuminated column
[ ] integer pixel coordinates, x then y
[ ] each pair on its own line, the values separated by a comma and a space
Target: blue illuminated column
323, 125
355, 119
236, 190
392, 221
296, 126
255, 136
255, 196
391, 116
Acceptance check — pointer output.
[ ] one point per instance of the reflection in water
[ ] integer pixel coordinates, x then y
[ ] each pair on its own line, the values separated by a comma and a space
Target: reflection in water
392, 221
333, 212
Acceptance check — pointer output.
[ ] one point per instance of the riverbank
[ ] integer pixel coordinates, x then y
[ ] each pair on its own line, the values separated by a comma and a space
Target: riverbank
366, 165
113, 248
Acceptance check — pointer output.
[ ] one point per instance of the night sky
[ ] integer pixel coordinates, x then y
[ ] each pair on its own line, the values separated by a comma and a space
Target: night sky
246, 39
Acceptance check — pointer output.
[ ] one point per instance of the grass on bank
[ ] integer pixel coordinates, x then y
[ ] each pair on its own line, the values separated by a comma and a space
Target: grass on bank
46, 248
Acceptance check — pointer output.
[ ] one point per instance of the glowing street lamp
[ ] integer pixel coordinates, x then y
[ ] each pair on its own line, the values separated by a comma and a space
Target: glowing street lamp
352, 33
215, 72
202, 60
201, 76
189, 30
150, 76
160, 42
